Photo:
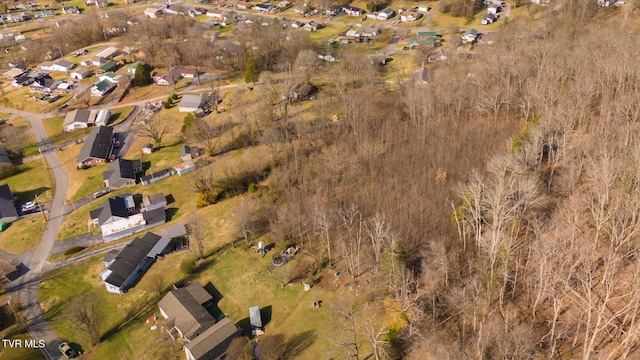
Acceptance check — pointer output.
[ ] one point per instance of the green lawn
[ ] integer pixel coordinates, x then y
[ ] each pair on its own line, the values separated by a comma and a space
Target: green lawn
33, 178
56, 133
22, 235
81, 182
119, 115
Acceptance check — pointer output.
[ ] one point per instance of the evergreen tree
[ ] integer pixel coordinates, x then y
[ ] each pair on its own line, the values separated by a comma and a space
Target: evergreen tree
142, 76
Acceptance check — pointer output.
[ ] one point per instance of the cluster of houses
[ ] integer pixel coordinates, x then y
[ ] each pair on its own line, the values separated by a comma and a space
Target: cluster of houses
491, 15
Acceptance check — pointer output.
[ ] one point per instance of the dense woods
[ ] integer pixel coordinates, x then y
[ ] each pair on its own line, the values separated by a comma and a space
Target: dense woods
496, 204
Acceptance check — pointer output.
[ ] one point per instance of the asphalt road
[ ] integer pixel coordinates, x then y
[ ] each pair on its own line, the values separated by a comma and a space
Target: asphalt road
24, 290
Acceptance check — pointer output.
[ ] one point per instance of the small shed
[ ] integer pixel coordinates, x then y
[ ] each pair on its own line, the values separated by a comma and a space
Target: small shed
185, 167
147, 149
255, 320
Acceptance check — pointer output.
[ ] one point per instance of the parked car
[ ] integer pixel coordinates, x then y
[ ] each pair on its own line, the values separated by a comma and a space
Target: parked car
101, 192
67, 351
28, 206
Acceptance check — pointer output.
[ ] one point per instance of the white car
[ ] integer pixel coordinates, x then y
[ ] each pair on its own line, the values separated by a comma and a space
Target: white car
28, 206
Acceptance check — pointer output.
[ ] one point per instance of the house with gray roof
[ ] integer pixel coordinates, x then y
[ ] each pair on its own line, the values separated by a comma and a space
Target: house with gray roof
193, 103
81, 73
214, 343
8, 202
121, 173
132, 262
78, 119
184, 311
96, 148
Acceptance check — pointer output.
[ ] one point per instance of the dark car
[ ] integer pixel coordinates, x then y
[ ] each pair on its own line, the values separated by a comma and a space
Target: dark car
67, 351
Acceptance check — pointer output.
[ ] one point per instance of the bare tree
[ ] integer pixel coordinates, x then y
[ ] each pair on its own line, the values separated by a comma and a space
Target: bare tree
157, 127
374, 333
197, 235
379, 232
86, 316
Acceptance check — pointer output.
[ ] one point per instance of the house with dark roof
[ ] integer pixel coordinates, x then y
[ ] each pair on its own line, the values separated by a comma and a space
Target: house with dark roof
132, 262
8, 202
78, 119
22, 80
118, 217
121, 173
97, 147
214, 343
185, 312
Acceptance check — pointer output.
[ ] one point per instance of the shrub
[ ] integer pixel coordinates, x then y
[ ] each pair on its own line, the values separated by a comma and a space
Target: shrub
166, 105
188, 266
74, 250
174, 96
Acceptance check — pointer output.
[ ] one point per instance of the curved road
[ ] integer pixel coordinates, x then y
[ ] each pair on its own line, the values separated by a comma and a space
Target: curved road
24, 290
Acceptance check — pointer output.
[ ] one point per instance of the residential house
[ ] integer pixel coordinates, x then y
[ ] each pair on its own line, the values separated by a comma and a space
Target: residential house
193, 103
213, 343
8, 202
189, 152
108, 66
185, 73
44, 84
185, 312
489, 19
102, 88
102, 3
194, 13
386, 14
312, 26
244, 5
297, 24
156, 176
284, 4
70, 10
132, 68
352, 11
104, 55
13, 73
184, 167
78, 119
81, 73
117, 217
43, 14
216, 14
22, 80
470, 35
423, 8
111, 77
18, 64
121, 173
606, 3
152, 202
102, 119
369, 31
265, 7
328, 57
493, 10
97, 147
132, 262
410, 16
437, 56
154, 13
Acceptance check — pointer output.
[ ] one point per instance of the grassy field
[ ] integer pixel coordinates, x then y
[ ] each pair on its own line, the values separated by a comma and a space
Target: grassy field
81, 182
30, 147
240, 275
13, 329
119, 115
22, 235
33, 178
56, 133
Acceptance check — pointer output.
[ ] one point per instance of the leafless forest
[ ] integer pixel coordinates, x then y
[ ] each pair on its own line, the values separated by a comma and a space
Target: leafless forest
506, 189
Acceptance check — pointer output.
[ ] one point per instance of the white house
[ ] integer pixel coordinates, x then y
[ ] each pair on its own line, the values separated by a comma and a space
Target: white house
153, 13
58, 65
77, 119
103, 117
386, 14
81, 73
102, 88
